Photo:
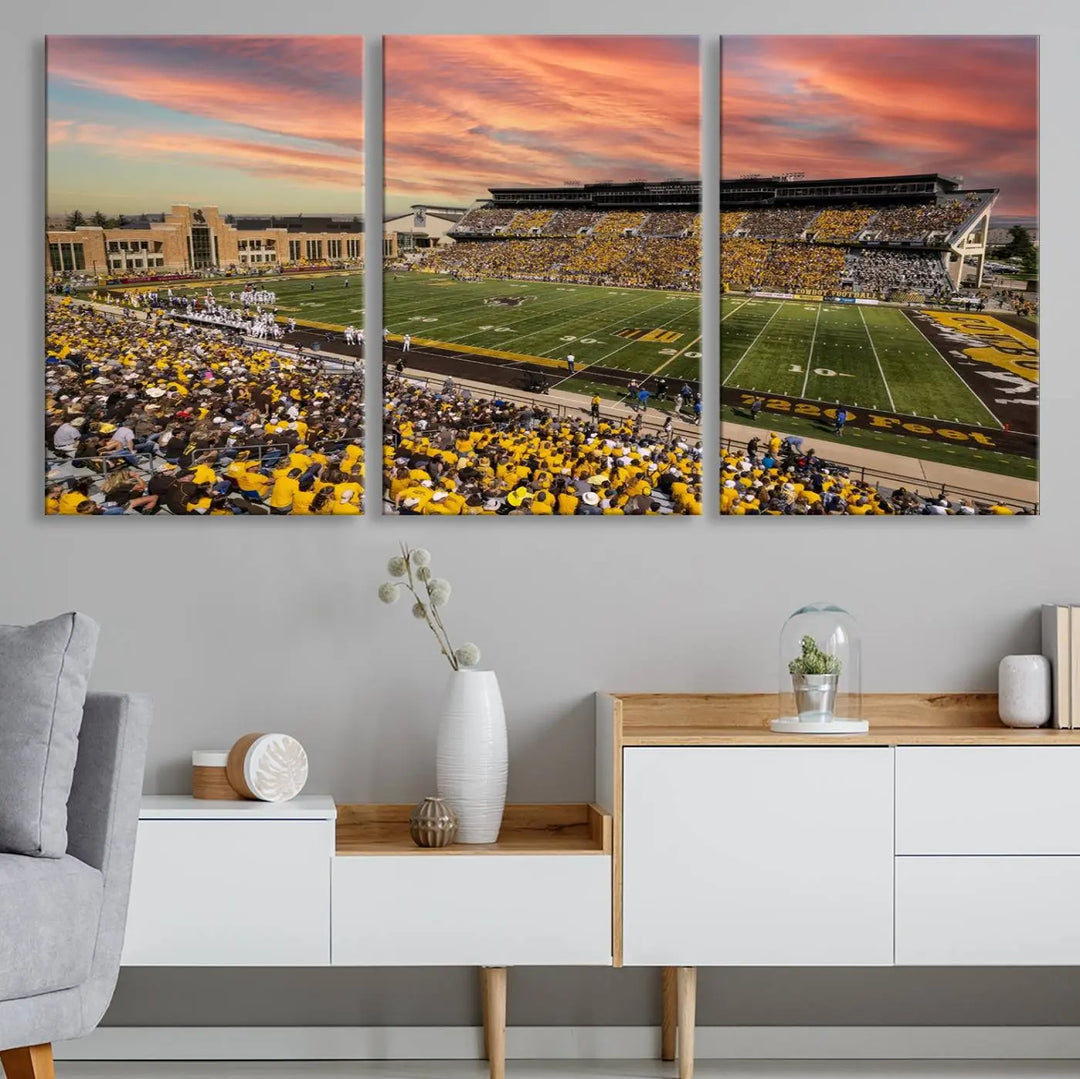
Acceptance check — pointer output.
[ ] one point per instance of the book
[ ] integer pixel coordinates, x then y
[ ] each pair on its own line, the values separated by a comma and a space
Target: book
1057, 647
1074, 672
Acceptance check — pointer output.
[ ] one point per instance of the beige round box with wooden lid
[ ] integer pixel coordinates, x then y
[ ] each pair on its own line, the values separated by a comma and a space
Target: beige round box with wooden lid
267, 767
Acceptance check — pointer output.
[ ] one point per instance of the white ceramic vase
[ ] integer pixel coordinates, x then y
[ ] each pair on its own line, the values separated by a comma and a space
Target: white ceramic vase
470, 759
1024, 691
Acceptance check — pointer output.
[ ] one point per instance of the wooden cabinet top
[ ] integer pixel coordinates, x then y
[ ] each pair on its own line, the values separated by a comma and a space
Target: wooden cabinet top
742, 719
556, 828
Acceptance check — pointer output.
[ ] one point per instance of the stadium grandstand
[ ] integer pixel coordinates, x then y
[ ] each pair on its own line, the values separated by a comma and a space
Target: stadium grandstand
906, 238
638, 234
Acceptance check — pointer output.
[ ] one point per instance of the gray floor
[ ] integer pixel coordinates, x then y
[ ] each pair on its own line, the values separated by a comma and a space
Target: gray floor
524, 1069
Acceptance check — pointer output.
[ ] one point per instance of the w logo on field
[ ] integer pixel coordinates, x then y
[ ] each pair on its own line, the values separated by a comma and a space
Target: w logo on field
505, 301
665, 337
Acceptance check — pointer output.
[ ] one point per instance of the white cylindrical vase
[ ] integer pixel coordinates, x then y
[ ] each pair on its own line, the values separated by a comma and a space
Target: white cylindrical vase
470, 759
1024, 698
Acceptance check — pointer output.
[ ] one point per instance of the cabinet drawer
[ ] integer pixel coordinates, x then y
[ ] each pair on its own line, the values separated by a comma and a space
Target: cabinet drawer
978, 911
472, 910
230, 893
988, 800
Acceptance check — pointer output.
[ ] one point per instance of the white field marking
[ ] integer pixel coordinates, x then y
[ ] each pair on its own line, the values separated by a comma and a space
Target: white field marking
737, 307
731, 373
671, 359
963, 383
603, 329
810, 356
542, 309
559, 306
625, 344
877, 358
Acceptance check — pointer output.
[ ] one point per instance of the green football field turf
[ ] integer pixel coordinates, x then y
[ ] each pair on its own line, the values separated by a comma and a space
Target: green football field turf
636, 330
324, 299
870, 357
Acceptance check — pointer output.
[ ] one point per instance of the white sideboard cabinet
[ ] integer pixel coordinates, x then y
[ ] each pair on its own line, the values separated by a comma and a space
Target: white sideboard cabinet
243, 884
940, 838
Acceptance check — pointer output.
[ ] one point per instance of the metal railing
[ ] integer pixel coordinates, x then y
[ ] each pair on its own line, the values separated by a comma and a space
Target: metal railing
891, 481
558, 409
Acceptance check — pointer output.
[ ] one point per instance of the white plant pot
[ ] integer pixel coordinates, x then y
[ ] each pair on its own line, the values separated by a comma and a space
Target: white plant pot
470, 759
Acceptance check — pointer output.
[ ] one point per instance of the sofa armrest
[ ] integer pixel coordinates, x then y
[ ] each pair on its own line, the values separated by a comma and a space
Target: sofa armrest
103, 808
103, 817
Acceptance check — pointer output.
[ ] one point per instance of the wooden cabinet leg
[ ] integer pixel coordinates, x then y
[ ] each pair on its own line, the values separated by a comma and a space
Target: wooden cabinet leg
33, 1062
483, 1009
494, 996
686, 979
669, 1012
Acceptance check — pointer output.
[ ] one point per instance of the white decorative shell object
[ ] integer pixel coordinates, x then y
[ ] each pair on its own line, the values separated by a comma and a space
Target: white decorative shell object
269, 767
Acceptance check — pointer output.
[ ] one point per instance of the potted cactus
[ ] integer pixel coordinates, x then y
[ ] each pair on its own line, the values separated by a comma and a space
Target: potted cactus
814, 676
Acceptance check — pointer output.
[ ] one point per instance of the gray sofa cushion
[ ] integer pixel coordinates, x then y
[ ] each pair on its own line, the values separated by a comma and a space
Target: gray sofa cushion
51, 908
44, 670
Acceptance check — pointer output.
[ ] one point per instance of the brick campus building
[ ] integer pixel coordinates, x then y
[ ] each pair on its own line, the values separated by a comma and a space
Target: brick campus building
197, 238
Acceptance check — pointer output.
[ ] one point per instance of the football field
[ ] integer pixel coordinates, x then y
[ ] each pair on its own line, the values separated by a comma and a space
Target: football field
322, 300
639, 331
861, 356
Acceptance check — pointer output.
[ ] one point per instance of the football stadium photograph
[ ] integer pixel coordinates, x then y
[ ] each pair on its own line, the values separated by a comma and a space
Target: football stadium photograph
542, 276
204, 276
879, 274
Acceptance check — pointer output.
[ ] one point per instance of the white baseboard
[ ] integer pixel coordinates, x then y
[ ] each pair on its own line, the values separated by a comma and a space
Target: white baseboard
573, 1043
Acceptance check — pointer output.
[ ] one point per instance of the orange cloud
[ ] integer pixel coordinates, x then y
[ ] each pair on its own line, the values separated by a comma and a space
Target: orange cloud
467, 113
259, 159
852, 106
301, 86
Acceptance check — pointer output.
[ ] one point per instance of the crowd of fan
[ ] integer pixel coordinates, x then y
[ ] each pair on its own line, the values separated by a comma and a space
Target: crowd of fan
450, 453
485, 220
773, 476
882, 271
148, 414
756, 264
834, 224
916, 222
908, 221
607, 259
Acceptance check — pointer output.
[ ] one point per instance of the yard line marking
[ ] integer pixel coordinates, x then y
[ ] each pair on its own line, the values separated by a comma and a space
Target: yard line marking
737, 307
672, 359
909, 321
881, 370
809, 358
779, 308
679, 314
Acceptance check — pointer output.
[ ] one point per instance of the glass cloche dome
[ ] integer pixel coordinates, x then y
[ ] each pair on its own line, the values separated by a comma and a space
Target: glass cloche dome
820, 673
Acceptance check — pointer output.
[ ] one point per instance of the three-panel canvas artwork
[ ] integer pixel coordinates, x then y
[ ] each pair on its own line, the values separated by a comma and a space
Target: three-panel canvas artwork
541, 339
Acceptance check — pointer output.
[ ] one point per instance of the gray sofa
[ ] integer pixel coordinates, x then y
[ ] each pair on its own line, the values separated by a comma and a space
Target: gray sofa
63, 918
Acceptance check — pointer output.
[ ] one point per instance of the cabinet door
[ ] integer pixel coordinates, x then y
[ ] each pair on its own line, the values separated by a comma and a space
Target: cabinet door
230, 893
472, 910
758, 856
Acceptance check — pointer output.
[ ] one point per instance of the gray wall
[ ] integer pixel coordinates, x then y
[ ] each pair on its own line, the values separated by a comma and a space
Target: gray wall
272, 624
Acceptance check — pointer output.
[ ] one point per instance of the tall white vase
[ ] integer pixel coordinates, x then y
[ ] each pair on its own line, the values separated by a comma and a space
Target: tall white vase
470, 759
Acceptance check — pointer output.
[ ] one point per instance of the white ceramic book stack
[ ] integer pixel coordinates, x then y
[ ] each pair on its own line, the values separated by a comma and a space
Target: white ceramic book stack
1061, 646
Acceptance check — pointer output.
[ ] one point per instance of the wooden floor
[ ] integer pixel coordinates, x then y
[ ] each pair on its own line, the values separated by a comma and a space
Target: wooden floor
525, 1069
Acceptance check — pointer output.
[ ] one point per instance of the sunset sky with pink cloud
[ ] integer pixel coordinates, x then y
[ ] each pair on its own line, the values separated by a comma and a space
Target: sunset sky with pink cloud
467, 113
249, 124
864, 106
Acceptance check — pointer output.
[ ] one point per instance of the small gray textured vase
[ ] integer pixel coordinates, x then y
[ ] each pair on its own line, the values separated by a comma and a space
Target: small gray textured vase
432, 824
44, 671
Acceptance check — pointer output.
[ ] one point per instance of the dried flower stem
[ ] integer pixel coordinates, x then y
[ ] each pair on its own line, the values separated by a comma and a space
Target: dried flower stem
431, 614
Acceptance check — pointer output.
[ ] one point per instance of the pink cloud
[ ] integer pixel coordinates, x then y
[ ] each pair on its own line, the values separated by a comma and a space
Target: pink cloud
466, 113
851, 106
